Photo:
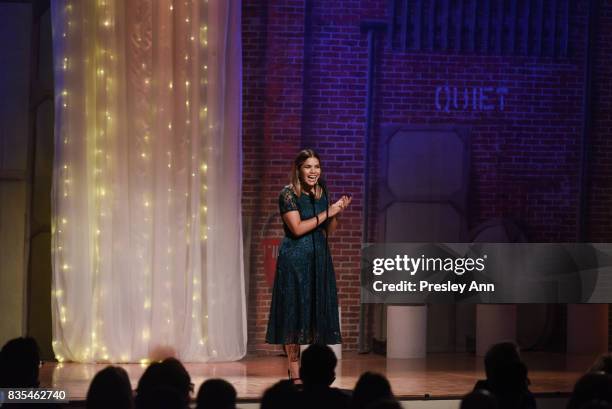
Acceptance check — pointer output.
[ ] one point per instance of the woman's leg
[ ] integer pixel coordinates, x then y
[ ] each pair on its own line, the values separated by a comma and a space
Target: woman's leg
293, 355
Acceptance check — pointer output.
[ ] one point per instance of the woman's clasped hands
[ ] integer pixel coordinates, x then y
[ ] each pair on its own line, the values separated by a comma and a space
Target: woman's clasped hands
341, 205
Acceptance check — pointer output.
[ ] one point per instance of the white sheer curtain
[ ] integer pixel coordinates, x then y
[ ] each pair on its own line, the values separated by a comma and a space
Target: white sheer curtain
147, 235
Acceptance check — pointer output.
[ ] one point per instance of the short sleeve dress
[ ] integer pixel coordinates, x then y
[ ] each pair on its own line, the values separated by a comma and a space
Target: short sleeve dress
304, 307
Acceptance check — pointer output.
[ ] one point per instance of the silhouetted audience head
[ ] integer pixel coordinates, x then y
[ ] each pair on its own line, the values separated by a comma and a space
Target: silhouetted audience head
505, 370
370, 387
19, 363
216, 394
318, 366
480, 399
592, 386
500, 359
507, 377
180, 379
110, 388
385, 404
281, 395
150, 380
603, 364
169, 373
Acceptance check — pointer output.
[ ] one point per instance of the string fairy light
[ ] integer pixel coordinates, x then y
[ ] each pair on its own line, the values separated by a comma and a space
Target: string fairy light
65, 176
103, 71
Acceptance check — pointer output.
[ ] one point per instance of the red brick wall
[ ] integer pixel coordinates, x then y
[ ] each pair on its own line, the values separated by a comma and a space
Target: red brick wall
524, 158
600, 189
599, 227
272, 104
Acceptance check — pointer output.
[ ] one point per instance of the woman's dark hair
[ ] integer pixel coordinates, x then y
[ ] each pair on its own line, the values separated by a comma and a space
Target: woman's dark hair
110, 388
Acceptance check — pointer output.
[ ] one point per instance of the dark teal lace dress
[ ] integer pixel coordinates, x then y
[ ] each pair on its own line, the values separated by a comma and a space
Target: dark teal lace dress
304, 307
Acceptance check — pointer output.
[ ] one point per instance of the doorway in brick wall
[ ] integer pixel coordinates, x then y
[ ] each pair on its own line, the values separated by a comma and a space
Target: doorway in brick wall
420, 194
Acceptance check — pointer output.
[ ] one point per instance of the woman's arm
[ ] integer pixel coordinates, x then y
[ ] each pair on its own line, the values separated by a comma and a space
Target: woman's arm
332, 225
333, 221
300, 227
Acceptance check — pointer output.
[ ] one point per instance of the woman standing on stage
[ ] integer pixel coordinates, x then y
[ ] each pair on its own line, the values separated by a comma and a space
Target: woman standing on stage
304, 307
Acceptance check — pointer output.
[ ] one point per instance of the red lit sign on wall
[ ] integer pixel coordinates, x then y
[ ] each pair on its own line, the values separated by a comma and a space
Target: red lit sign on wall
270, 251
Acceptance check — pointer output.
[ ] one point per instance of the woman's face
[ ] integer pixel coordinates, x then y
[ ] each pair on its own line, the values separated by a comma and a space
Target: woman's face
310, 171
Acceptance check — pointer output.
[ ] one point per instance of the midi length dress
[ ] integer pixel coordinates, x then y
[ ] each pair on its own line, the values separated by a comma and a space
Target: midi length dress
304, 308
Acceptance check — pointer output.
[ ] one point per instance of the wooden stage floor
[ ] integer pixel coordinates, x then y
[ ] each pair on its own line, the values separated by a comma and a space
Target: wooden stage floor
439, 376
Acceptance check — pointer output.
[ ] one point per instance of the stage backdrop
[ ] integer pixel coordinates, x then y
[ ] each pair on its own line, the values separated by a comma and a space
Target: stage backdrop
146, 223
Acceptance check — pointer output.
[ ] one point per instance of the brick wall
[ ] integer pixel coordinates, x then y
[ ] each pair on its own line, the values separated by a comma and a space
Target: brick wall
599, 227
272, 105
524, 158
600, 188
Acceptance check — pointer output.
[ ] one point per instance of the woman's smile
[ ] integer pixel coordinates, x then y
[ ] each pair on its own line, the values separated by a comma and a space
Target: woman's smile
310, 171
